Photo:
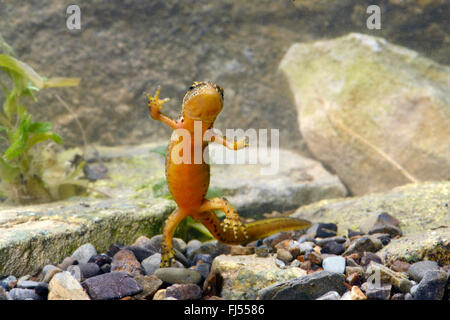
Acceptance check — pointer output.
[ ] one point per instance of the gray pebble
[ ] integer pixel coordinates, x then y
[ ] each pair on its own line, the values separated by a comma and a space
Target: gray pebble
23, 294
203, 269
417, 270
84, 253
431, 287
178, 275
75, 272
27, 284
151, 264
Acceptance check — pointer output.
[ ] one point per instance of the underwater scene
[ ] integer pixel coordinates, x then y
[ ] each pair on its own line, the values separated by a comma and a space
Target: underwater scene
224, 150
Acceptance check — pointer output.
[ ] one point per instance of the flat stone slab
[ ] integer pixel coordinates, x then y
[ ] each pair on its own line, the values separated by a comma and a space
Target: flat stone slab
35, 235
422, 209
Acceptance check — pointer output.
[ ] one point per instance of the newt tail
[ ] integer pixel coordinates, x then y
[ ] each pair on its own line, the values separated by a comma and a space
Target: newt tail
188, 177
254, 230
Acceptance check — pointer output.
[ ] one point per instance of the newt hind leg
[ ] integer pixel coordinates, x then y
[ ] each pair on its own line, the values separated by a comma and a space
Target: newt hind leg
167, 252
231, 222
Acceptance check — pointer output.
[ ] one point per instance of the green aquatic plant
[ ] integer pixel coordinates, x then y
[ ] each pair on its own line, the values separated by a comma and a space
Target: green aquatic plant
29, 170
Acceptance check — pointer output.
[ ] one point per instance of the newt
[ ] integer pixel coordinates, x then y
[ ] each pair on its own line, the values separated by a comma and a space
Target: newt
188, 181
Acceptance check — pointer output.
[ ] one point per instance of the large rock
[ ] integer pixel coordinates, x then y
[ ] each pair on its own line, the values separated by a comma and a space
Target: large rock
422, 209
127, 47
364, 103
243, 276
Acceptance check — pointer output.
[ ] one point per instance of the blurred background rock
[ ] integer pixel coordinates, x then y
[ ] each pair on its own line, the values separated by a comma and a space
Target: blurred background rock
127, 47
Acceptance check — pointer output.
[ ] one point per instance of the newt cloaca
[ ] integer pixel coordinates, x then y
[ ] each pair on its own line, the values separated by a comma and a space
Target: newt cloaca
188, 181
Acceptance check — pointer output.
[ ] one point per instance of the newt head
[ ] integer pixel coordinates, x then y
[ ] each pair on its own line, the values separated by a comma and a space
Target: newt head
203, 101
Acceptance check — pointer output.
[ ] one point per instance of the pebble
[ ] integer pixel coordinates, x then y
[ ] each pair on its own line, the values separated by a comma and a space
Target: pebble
308, 287
350, 262
42, 289
383, 237
392, 231
239, 250
46, 269
89, 269
322, 230
50, 274
23, 294
64, 286
140, 253
368, 257
334, 264
365, 243
8, 282
3, 294
203, 269
357, 294
178, 275
382, 292
263, 250
145, 243
113, 285
67, 262
280, 263
105, 268
27, 284
84, 253
314, 257
354, 279
208, 247
295, 263
351, 270
160, 294
177, 243
418, 270
188, 291
192, 245
352, 233
398, 296
400, 266
202, 258
100, 259
332, 247
338, 239
273, 240
113, 249
432, 286
306, 247
331, 295
125, 261
284, 255
151, 264
149, 285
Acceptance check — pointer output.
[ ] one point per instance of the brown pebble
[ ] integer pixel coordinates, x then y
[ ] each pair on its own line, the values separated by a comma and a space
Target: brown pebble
284, 255
67, 262
239, 250
357, 294
315, 257
306, 265
400, 266
125, 260
353, 279
50, 274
